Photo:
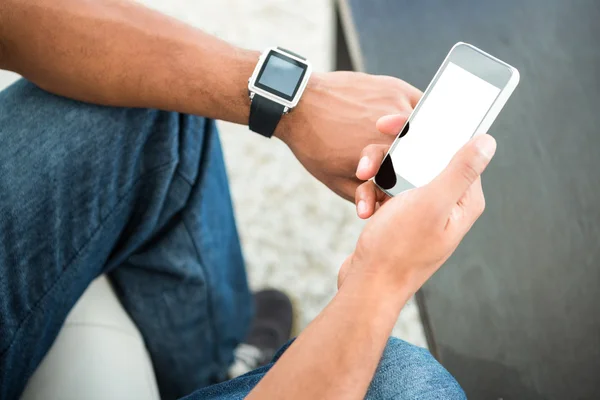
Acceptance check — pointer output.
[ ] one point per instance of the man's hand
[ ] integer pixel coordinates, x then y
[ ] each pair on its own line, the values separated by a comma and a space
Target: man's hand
335, 121
401, 246
414, 233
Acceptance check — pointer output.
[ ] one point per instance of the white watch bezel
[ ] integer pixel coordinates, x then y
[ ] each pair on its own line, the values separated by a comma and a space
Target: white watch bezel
252, 88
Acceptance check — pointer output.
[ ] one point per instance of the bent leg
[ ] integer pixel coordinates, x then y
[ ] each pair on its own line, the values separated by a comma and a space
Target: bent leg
87, 189
405, 372
410, 372
186, 288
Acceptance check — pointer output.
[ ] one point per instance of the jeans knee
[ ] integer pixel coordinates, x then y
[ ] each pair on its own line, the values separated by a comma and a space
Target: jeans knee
410, 372
50, 138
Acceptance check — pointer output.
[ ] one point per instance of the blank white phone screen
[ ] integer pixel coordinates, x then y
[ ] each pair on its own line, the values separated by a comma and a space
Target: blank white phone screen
446, 120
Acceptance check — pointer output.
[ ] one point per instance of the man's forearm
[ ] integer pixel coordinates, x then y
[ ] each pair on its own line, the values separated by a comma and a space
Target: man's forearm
117, 52
337, 354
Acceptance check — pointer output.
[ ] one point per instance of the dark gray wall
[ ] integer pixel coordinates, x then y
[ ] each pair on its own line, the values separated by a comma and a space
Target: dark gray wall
515, 313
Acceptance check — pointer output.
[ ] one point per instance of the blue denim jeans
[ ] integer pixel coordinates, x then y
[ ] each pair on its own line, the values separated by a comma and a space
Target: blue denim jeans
405, 372
140, 195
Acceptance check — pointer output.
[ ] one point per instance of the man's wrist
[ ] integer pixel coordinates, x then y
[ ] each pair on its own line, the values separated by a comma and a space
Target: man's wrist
386, 296
291, 123
235, 100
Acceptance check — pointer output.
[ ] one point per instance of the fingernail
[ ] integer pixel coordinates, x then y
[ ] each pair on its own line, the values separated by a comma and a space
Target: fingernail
361, 207
486, 146
363, 164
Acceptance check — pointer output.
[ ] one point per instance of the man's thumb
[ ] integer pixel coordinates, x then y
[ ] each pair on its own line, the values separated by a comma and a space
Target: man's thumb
465, 167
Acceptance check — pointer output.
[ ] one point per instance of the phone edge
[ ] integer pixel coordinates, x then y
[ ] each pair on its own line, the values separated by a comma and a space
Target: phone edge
489, 118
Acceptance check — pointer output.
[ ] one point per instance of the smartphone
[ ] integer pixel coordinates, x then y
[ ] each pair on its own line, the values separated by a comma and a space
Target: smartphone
463, 99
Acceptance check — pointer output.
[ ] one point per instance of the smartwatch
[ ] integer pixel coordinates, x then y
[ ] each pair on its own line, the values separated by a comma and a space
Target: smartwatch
275, 88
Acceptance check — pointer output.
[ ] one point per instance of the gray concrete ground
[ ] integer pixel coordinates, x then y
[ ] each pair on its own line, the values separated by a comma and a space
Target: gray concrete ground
295, 232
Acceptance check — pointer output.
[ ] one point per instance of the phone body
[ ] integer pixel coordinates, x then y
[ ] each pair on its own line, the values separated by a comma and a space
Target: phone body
464, 98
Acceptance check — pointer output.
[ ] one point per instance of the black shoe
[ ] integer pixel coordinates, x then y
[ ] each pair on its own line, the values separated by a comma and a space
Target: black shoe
271, 329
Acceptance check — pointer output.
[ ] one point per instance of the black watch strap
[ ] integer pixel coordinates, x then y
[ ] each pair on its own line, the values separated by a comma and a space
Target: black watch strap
264, 115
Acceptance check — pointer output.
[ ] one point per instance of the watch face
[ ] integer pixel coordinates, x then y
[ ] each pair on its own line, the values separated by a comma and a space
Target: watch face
281, 75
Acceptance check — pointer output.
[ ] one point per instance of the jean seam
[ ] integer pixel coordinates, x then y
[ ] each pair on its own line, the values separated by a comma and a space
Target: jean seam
78, 253
208, 290
185, 179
